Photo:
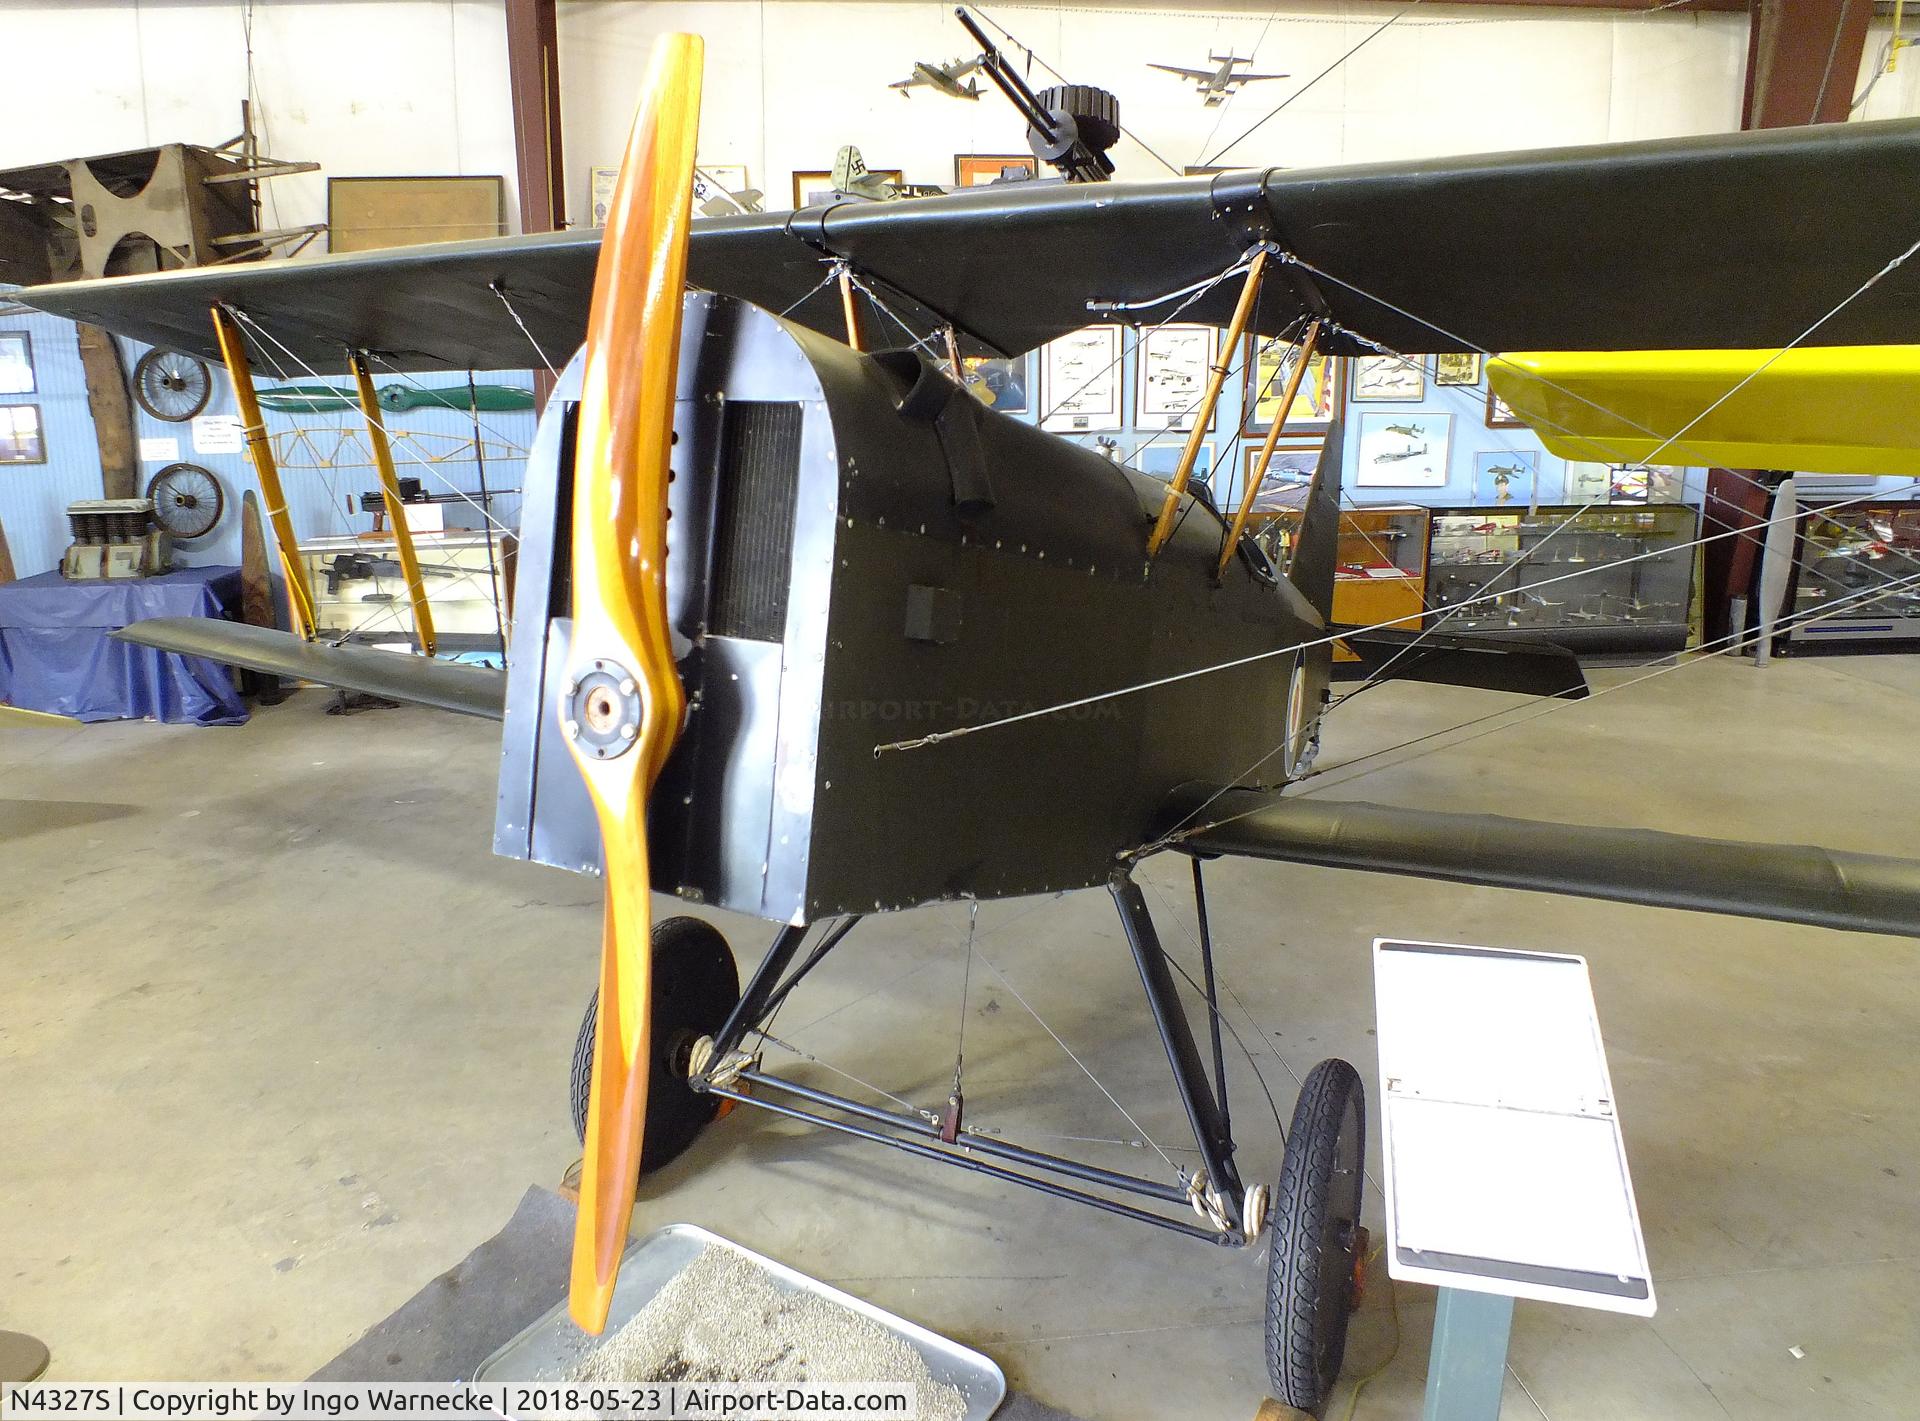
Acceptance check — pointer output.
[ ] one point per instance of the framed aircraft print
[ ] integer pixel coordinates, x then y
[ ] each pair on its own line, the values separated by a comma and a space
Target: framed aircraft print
1387, 379
1080, 381
16, 363
1289, 474
1457, 369
1506, 476
1001, 384
1500, 414
979, 169
1171, 379
21, 440
1161, 458
1403, 450
1267, 364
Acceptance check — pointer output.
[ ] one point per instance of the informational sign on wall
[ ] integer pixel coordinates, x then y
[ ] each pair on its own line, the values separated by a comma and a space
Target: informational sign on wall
159, 451
218, 434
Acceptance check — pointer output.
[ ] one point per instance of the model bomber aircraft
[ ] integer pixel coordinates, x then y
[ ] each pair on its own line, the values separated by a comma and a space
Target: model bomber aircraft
944, 77
740, 528
1222, 81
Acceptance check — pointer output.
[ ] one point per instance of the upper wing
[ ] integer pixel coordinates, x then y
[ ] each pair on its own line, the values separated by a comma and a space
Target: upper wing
1736, 241
1183, 72
1249, 78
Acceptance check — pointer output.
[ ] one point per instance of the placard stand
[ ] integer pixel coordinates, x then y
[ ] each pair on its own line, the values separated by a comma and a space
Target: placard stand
1468, 1366
1505, 1171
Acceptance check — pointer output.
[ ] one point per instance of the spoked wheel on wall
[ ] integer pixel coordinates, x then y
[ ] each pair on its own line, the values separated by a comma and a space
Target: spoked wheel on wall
1319, 1248
695, 986
171, 386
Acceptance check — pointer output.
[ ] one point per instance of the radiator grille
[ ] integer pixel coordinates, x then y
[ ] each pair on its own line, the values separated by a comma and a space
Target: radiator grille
753, 542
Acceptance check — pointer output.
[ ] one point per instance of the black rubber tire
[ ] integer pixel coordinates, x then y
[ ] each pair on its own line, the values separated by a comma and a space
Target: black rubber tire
1316, 1223
695, 985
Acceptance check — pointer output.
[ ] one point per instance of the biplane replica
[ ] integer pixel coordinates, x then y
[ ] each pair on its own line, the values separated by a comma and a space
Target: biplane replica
762, 516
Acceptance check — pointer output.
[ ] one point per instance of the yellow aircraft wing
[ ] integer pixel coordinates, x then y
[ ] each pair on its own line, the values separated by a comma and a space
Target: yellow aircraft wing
1835, 410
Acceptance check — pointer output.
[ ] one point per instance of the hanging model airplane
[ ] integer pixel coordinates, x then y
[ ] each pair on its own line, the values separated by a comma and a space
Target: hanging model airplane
1218, 84
806, 632
943, 77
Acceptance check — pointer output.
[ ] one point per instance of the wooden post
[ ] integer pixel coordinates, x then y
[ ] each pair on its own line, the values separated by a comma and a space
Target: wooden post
1259, 470
234, 352
396, 510
846, 307
1163, 527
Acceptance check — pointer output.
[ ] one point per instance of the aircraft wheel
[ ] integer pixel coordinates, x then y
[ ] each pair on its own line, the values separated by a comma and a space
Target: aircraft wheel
1319, 1248
695, 985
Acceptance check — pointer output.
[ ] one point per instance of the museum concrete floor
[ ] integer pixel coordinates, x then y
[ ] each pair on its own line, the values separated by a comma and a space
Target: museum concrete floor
281, 1040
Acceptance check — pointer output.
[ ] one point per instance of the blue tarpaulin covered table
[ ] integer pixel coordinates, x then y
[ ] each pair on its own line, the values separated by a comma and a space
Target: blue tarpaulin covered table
56, 653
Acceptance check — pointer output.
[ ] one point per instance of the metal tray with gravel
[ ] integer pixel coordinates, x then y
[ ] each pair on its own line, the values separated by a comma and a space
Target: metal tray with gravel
691, 1305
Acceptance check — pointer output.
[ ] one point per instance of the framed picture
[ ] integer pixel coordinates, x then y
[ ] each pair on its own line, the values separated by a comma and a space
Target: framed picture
1080, 381
1266, 366
16, 363
1588, 483
1457, 369
1385, 379
1289, 474
1500, 414
21, 440
816, 184
1172, 377
1403, 450
999, 383
364, 214
600, 184
1505, 476
1645, 483
1161, 458
979, 169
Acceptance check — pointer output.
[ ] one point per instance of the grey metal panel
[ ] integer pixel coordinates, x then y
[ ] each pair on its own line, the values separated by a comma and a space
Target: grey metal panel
1791, 883
730, 819
527, 758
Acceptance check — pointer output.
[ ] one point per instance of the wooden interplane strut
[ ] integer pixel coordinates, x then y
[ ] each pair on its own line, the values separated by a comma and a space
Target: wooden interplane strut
1258, 474
233, 351
848, 309
1203, 417
396, 510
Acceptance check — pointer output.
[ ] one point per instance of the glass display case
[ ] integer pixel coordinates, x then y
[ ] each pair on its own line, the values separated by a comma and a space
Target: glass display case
1862, 560
1598, 579
359, 593
1382, 567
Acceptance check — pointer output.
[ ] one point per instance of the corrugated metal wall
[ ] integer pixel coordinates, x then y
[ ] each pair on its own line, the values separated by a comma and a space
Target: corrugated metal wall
33, 497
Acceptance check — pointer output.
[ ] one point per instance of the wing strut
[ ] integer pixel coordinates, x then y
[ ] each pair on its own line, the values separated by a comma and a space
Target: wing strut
623, 704
1203, 417
1259, 472
847, 308
390, 495
260, 448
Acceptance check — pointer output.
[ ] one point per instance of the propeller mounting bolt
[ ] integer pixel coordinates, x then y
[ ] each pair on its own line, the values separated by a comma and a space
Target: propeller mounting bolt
603, 709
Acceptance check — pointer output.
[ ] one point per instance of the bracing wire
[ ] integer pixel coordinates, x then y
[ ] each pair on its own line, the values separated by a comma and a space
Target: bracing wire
939, 737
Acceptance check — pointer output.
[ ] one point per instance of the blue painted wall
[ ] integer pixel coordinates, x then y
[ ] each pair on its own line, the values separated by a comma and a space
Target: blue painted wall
33, 497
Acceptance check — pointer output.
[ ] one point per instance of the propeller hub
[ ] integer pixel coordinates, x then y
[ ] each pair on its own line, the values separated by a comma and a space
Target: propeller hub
603, 710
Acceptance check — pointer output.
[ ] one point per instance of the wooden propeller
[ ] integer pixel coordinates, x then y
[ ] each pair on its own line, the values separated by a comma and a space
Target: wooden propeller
623, 702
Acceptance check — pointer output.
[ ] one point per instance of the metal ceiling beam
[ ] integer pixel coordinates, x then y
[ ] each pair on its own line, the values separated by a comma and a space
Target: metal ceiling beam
1803, 57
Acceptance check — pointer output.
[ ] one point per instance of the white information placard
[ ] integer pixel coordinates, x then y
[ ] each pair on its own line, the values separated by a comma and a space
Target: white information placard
158, 449
1505, 1168
218, 434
